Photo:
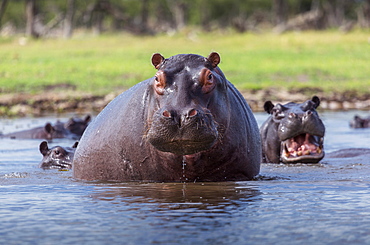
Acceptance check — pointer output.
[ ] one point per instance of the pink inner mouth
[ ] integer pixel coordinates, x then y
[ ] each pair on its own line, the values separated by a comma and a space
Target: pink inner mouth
301, 145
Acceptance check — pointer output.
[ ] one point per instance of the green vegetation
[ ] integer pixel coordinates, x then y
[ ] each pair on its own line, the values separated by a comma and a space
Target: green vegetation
316, 61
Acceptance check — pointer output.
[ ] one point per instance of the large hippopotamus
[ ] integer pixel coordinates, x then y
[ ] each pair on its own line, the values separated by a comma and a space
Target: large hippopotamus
72, 129
359, 122
292, 133
56, 157
187, 123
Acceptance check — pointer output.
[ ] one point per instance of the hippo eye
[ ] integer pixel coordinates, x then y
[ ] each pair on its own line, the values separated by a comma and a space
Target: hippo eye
207, 80
159, 82
57, 152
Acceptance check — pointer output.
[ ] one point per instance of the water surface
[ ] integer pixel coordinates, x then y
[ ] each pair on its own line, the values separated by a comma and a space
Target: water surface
325, 203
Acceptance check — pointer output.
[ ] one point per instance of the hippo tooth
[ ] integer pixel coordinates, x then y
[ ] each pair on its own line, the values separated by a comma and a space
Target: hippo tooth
308, 152
299, 153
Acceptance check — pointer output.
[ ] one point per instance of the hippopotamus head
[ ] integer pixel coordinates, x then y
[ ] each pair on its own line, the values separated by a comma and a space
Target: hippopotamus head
57, 156
77, 125
359, 122
293, 133
184, 86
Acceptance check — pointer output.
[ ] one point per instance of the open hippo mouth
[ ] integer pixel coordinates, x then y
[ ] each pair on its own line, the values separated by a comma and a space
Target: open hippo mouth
303, 148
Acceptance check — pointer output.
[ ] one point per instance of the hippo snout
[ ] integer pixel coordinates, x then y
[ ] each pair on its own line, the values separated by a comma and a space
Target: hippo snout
180, 119
182, 132
298, 123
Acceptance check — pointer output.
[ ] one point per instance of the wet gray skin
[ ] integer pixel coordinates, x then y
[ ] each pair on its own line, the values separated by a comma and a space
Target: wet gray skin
293, 133
57, 157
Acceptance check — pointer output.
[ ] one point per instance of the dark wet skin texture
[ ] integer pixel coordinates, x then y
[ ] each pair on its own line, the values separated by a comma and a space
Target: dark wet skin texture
72, 129
57, 157
293, 133
187, 123
359, 122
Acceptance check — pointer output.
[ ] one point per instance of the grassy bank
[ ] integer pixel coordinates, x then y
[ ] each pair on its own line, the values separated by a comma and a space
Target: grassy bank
314, 61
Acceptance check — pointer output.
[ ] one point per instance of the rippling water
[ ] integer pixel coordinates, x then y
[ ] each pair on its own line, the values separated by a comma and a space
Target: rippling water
326, 203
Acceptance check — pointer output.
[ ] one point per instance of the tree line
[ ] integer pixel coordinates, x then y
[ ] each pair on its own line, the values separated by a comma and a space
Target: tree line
42, 18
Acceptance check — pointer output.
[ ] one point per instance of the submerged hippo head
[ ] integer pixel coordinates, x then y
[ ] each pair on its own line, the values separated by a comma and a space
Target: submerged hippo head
57, 156
72, 129
359, 122
293, 133
77, 125
184, 85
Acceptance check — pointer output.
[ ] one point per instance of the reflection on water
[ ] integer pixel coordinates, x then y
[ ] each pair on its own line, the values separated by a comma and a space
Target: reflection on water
326, 203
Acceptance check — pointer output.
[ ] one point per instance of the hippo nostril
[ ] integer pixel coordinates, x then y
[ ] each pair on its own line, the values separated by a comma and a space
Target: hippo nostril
308, 113
192, 113
167, 114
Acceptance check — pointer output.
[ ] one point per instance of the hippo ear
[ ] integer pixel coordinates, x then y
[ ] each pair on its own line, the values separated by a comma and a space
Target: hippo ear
268, 107
44, 148
316, 100
75, 144
87, 118
49, 128
214, 58
157, 59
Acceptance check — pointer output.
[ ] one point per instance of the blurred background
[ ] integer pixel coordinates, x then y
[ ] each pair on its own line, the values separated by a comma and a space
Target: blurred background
68, 55
58, 18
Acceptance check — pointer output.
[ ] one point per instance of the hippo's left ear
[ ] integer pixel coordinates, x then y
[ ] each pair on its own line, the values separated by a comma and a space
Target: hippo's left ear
214, 58
157, 59
44, 148
316, 100
268, 106
87, 119
75, 144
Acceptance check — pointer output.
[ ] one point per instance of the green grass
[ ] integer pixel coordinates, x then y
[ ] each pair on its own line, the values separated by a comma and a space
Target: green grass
323, 61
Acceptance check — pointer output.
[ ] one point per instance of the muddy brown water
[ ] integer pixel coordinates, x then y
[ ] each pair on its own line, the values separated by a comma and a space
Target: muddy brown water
325, 203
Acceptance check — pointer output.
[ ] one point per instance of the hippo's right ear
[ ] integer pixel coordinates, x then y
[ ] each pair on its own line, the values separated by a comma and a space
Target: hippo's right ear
316, 100
268, 106
44, 148
157, 60
214, 58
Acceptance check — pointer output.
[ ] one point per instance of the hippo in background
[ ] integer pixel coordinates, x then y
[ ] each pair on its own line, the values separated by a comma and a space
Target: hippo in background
72, 129
187, 123
56, 157
359, 122
77, 125
47, 132
294, 133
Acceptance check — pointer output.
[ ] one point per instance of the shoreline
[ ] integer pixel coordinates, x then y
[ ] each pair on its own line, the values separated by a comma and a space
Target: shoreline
23, 104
